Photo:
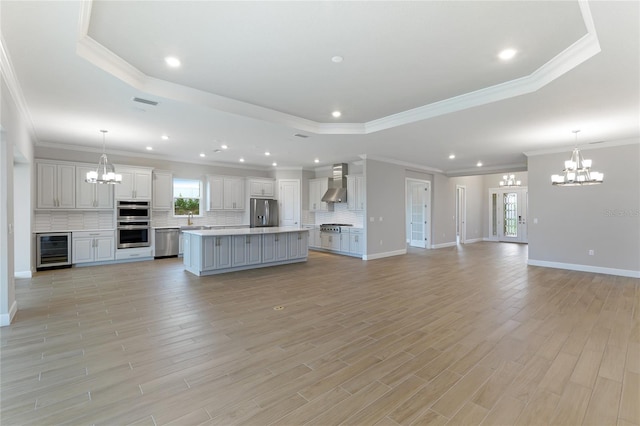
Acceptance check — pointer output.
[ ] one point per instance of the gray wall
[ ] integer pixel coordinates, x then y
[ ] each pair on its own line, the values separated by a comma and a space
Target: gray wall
573, 220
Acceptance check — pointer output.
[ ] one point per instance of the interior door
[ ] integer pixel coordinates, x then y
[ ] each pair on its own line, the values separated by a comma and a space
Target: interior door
418, 192
289, 199
461, 214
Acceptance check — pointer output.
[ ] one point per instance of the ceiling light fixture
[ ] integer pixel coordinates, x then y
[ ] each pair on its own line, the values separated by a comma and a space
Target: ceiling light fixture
172, 61
267, 153
202, 154
164, 137
452, 156
577, 170
149, 148
337, 59
316, 160
241, 160
479, 164
336, 114
223, 146
507, 54
509, 181
274, 164
105, 172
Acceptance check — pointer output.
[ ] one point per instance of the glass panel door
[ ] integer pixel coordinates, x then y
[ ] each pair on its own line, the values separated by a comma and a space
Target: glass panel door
508, 212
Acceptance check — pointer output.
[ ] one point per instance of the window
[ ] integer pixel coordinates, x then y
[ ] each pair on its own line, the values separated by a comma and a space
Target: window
187, 196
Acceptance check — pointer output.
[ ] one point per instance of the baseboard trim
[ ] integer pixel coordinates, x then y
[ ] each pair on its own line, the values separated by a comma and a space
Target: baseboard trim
473, 240
5, 319
585, 268
23, 274
385, 254
443, 245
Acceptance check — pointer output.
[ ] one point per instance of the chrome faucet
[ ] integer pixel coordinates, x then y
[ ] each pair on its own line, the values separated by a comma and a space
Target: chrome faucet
190, 218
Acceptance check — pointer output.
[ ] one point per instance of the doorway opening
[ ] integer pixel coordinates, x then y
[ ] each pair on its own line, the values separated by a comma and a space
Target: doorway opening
461, 214
418, 213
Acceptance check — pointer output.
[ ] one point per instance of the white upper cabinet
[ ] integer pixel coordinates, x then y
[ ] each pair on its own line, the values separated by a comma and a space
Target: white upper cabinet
56, 186
317, 188
91, 196
162, 190
136, 183
225, 193
262, 188
356, 192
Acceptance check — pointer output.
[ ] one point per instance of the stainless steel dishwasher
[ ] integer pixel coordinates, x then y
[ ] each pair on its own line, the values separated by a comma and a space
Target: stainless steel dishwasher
167, 242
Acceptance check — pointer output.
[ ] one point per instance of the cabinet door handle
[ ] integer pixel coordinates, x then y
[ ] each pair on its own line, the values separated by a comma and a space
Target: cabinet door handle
247, 240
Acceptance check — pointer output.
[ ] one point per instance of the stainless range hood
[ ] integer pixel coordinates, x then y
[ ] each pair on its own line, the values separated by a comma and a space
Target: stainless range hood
337, 192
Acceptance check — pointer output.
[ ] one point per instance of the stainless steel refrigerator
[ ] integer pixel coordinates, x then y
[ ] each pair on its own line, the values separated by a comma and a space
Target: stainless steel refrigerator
264, 212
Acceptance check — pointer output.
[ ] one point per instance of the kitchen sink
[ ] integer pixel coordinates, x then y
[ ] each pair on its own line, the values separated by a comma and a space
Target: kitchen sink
194, 227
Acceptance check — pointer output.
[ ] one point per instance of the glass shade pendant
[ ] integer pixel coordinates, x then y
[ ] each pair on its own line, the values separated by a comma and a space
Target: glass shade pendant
577, 171
105, 172
509, 181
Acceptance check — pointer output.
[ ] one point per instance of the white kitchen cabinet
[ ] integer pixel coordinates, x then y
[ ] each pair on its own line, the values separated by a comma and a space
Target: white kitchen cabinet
162, 190
356, 192
225, 193
330, 241
262, 188
216, 253
95, 246
314, 236
317, 188
274, 248
298, 244
136, 183
247, 250
56, 186
356, 243
90, 196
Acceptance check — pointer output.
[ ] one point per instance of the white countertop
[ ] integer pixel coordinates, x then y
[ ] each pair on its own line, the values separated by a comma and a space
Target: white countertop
245, 231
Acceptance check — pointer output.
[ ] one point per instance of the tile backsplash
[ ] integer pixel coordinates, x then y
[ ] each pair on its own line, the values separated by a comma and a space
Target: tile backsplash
49, 220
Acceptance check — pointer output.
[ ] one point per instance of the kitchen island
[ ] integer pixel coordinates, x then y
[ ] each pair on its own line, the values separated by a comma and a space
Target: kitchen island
216, 251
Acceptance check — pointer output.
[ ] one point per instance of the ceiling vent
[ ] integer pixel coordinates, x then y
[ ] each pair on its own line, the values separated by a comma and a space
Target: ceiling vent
145, 101
300, 135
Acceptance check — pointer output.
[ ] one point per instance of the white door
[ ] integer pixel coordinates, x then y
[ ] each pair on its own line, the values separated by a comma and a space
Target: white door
289, 200
461, 214
418, 206
508, 215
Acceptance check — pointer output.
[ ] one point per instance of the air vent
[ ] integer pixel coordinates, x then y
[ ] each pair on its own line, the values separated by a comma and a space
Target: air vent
596, 142
145, 101
300, 135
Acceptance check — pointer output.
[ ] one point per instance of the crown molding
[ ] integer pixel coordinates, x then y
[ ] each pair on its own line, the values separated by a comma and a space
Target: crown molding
580, 51
15, 90
487, 170
584, 147
414, 166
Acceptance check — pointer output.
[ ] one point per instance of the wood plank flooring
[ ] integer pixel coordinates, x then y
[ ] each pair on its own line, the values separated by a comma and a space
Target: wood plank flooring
462, 335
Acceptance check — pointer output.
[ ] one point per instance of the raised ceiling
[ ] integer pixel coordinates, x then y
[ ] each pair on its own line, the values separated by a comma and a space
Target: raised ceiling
418, 80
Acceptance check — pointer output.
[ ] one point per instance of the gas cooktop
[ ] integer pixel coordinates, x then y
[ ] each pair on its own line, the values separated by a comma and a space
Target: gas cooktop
336, 224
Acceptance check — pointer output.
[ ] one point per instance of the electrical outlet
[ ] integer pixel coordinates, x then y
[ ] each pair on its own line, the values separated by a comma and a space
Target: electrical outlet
380, 242
592, 252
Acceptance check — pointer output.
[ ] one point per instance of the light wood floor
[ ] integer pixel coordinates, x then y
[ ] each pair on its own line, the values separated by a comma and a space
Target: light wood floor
466, 335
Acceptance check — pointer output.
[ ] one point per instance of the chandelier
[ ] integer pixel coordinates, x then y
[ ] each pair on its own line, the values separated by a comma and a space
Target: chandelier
105, 172
509, 181
577, 170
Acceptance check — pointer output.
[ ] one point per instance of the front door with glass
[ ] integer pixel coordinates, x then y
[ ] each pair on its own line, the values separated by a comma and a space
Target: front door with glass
508, 214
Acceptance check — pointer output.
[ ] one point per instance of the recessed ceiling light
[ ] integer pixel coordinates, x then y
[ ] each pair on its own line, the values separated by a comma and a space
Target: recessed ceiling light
337, 59
316, 160
164, 137
274, 164
336, 114
479, 164
452, 156
172, 61
267, 153
507, 54
149, 148
223, 146
242, 160
202, 154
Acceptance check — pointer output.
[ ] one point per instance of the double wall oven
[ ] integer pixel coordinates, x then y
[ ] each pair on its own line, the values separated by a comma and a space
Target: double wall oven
133, 220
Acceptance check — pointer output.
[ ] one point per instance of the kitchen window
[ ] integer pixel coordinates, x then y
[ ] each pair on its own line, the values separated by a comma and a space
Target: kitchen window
187, 197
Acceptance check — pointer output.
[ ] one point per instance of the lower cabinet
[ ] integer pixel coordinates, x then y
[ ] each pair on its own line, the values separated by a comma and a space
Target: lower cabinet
247, 250
274, 248
330, 241
298, 245
216, 253
98, 246
355, 242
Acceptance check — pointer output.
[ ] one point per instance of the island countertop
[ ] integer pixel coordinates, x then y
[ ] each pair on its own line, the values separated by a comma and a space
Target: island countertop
245, 231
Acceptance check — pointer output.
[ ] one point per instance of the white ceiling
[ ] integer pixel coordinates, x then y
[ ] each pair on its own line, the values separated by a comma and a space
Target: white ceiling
419, 80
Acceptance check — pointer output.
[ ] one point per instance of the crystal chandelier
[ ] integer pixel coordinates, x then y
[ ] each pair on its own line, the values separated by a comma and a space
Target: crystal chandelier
577, 171
105, 172
509, 181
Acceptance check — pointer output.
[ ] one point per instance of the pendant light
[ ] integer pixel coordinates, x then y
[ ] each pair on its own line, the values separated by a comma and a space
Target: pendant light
105, 172
577, 170
509, 181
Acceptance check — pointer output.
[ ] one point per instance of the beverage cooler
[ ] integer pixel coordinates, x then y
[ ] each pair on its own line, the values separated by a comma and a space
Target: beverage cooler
53, 250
